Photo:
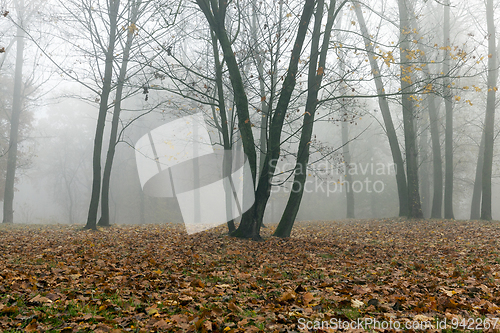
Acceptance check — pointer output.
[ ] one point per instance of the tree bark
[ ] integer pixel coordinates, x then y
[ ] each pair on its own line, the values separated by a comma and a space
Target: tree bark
437, 162
475, 208
489, 121
349, 193
115, 122
448, 140
315, 76
252, 219
424, 169
386, 115
415, 208
101, 119
17, 106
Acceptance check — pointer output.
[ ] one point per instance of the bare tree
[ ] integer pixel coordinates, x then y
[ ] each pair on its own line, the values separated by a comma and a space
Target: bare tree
386, 114
489, 121
448, 177
17, 106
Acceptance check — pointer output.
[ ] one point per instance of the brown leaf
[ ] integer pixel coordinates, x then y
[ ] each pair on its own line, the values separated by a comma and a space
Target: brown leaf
197, 283
32, 326
40, 300
207, 326
287, 296
162, 325
307, 298
233, 307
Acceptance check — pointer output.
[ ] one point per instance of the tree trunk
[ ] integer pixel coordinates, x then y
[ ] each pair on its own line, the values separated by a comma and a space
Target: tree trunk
448, 140
17, 106
386, 115
347, 182
252, 219
101, 119
224, 125
349, 193
315, 76
415, 208
475, 208
489, 121
437, 163
115, 122
424, 168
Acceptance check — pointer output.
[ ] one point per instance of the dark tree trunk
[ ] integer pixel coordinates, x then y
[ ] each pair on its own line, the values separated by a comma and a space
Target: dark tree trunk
437, 163
252, 220
115, 122
101, 119
448, 140
315, 76
17, 106
425, 185
224, 125
475, 209
415, 208
489, 121
386, 115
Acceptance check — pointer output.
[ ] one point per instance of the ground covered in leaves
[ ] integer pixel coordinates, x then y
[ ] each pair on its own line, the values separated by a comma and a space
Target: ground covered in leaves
158, 278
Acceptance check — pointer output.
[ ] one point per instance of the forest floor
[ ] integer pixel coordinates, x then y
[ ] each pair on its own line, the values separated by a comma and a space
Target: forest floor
361, 274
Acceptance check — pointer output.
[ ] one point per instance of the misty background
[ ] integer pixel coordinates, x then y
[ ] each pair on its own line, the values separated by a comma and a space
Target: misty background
61, 101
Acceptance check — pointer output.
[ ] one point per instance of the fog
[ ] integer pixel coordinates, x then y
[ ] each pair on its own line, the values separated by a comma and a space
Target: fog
172, 73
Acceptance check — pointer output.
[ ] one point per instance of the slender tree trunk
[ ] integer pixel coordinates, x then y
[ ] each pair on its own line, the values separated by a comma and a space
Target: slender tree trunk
347, 183
475, 209
252, 219
386, 115
424, 168
349, 193
142, 208
17, 106
101, 119
315, 75
489, 121
437, 163
415, 208
115, 122
224, 126
448, 140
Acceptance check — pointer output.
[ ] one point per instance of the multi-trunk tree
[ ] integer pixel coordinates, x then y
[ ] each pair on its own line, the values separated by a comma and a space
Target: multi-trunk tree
317, 67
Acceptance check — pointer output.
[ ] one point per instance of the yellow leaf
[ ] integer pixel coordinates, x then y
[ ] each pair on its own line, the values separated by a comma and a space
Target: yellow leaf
132, 28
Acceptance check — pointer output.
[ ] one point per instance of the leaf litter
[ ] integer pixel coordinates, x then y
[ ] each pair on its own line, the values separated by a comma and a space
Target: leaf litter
156, 278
